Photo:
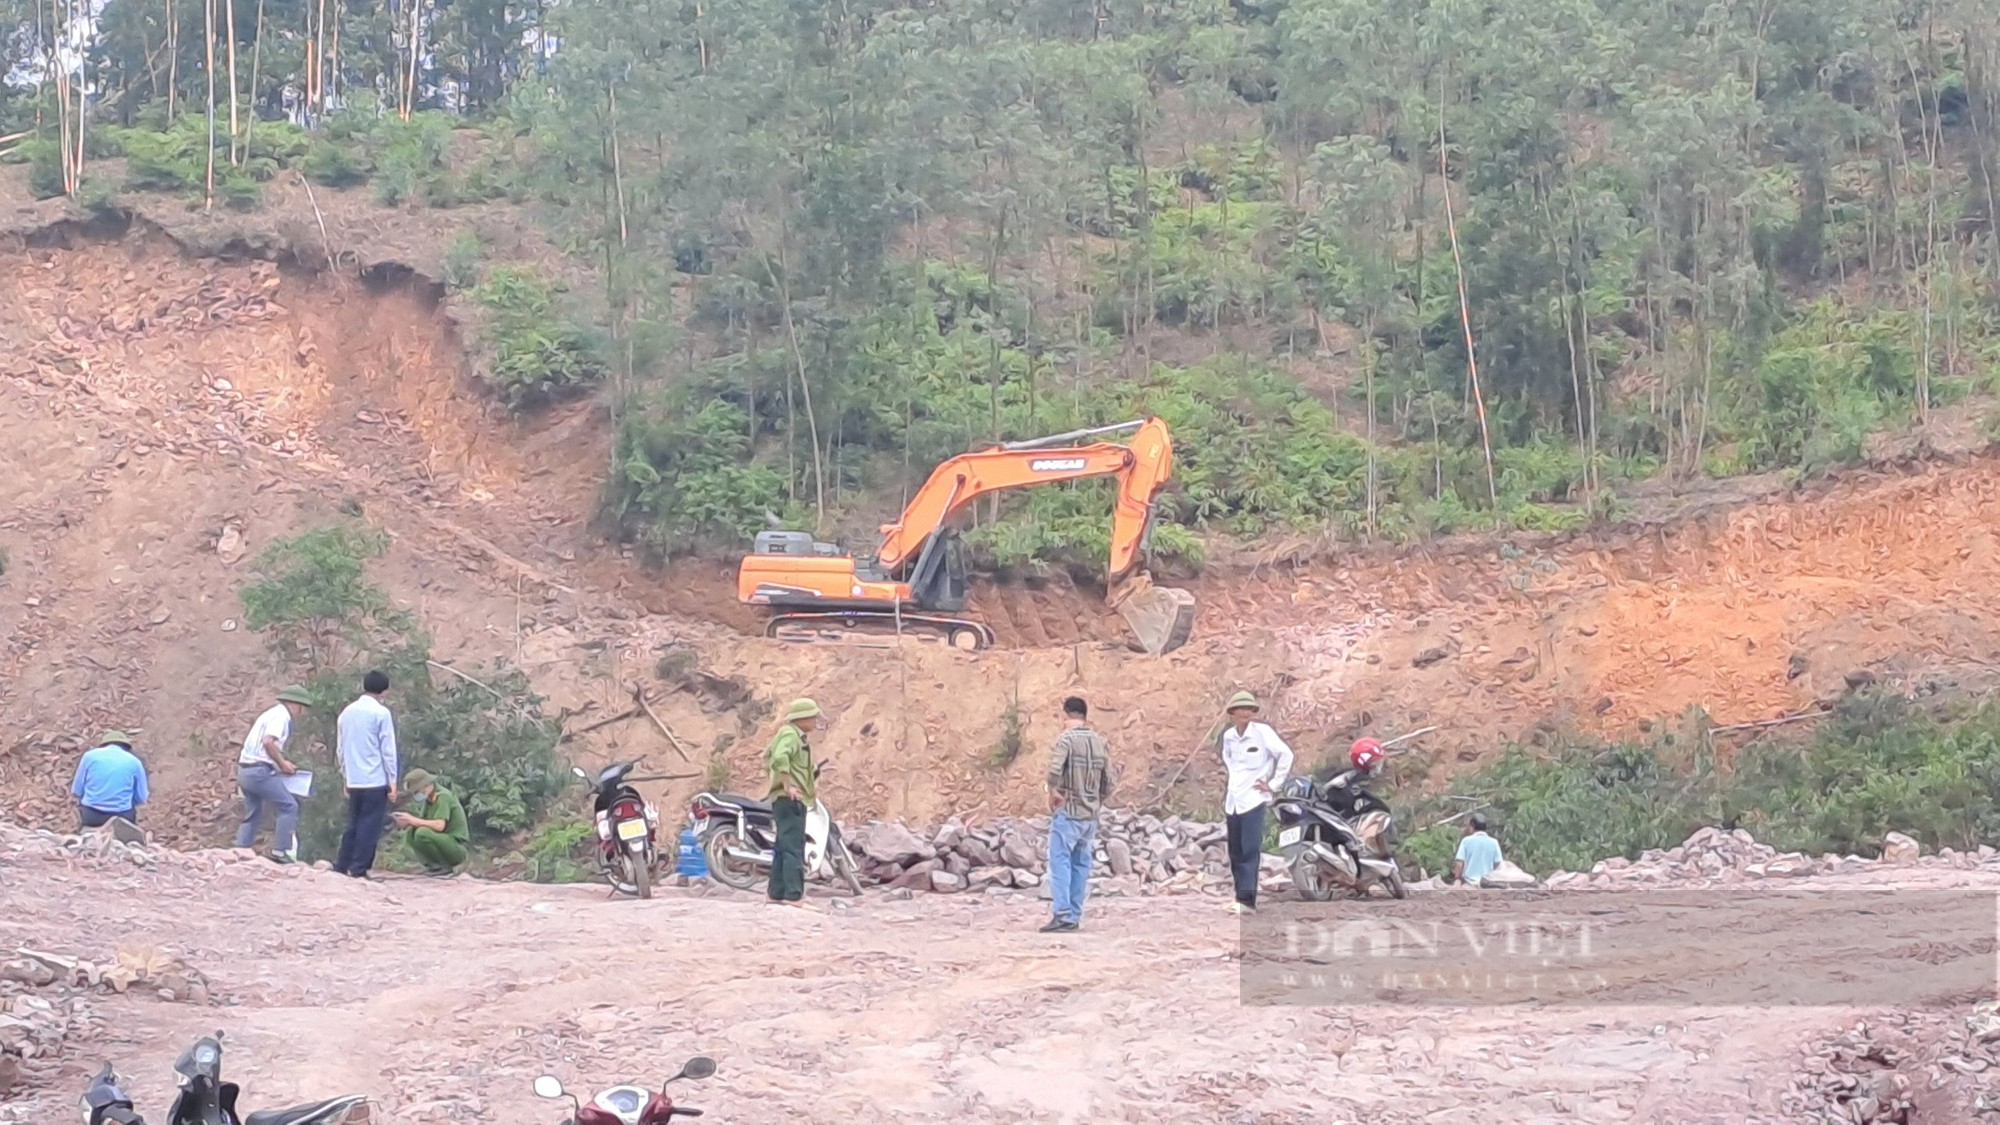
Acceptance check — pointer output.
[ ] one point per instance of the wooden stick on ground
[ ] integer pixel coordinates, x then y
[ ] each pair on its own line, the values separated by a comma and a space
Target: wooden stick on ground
1406, 737
1207, 742
628, 713
639, 697
1801, 717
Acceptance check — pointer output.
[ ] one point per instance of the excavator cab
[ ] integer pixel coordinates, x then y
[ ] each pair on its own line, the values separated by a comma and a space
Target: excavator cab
795, 543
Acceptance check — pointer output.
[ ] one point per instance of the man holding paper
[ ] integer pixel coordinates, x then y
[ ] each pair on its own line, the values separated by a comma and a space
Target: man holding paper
261, 770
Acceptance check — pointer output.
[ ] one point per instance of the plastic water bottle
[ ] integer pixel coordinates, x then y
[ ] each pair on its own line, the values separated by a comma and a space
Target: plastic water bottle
693, 861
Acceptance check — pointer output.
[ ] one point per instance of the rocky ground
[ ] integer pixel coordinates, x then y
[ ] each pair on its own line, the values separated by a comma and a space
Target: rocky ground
443, 1000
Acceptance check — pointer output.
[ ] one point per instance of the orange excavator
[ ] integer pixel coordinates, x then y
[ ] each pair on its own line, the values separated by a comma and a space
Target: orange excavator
917, 582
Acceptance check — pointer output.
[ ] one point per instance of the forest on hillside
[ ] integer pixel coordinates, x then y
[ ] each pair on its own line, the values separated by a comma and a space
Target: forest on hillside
1390, 269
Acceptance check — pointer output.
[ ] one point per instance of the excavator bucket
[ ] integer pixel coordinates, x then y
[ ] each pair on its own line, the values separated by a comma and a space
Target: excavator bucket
1161, 617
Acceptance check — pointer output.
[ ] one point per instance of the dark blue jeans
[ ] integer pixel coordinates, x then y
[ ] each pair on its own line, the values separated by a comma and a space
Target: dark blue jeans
96, 818
367, 816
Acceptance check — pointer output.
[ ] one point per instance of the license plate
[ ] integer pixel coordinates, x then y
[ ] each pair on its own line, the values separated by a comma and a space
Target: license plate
1290, 836
631, 829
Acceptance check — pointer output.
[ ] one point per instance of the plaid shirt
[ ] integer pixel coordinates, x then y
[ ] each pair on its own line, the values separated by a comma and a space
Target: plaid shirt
1080, 772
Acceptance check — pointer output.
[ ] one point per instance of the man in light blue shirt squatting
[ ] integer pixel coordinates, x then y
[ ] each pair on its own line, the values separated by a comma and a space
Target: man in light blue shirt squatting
110, 781
1478, 853
367, 737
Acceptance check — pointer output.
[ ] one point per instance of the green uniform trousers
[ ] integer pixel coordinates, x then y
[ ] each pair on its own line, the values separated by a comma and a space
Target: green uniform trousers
788, 858
436, 849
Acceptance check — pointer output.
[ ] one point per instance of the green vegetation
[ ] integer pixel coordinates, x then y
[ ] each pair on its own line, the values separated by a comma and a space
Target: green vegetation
1676, 239
1879, 763
482, 731
553, 855
537, 355
1013, 738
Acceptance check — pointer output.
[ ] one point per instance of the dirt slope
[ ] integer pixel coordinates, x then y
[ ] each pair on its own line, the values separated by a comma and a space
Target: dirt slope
940, 1009
157, 406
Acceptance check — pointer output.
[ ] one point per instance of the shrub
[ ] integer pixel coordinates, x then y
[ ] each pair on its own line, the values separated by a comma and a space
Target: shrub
461, 260
536, 354
44, 156
1878, 763
313, 592
684, 472
334, 164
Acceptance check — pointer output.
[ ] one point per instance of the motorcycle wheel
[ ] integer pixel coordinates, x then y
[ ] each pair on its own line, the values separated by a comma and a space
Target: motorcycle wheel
1395, 884
843, 862
639, 874
725, 869
1306, 877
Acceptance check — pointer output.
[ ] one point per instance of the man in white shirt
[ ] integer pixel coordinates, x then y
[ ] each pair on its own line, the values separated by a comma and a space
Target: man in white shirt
368, 766
1258, 762
261, 769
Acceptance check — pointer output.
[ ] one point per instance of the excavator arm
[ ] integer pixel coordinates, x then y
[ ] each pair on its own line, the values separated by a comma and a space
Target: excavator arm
913, 582
1141, 467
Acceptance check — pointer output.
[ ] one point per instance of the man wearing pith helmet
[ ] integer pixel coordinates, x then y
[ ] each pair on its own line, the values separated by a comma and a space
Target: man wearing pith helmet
789, 761
1258, 762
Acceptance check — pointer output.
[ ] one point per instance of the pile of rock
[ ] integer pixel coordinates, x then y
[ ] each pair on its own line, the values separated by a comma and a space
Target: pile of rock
96, 845
1879, 1071
1716, 855
34, 1026
142, 967
1135, 854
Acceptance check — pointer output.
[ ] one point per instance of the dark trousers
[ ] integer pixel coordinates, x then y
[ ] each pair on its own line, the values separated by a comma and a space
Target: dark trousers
367, 814
788, 858
1246, 849
96, 818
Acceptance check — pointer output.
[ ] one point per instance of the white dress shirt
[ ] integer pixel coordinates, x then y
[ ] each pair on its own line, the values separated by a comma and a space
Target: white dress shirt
367, 744
1256, 754
275, 723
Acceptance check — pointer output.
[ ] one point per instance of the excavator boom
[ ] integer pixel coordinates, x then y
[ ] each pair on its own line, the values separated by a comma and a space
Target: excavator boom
911, 573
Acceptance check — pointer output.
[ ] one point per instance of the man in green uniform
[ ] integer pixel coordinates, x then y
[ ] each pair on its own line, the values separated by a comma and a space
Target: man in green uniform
437, 829
789, 760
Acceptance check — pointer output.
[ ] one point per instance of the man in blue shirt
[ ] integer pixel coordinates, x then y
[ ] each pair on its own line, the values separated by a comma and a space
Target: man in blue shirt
110, 781
1478, 853
367, 737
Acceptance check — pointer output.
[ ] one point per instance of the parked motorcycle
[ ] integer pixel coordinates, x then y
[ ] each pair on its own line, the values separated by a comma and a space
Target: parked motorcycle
628, 828
738, 833
106, 1101
628, 1105
204, 1098
1337, 834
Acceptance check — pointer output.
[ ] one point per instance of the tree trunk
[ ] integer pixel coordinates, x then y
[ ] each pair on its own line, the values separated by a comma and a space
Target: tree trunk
256, 66
229, 15
208, 25
173, 62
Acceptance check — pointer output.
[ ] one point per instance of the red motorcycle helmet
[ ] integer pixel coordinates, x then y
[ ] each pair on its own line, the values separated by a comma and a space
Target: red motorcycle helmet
1365, 753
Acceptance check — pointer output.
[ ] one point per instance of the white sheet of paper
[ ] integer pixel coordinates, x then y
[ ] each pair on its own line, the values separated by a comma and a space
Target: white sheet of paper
299, 784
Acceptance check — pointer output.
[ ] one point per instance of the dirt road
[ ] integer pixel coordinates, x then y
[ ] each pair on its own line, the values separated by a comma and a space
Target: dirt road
444, 1000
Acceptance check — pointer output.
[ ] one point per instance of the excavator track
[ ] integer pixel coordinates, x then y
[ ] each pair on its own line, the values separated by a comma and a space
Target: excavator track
860, 626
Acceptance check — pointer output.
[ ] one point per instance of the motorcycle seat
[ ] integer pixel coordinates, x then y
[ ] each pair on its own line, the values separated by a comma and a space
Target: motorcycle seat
748, 804
328, 1112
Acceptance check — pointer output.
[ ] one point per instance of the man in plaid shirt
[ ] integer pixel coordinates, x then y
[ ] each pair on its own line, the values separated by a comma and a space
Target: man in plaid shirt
1080, 779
